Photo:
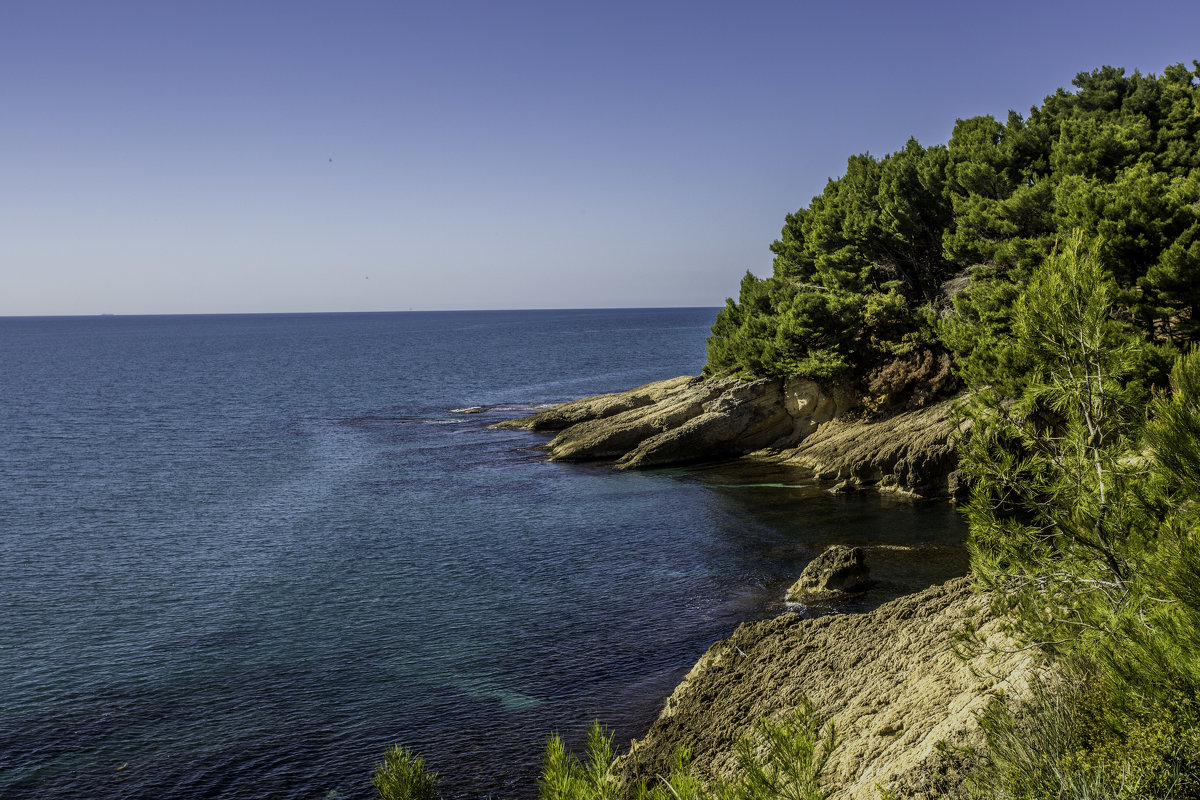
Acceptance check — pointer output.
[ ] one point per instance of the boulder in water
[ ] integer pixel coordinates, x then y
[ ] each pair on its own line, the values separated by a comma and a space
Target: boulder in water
838, 570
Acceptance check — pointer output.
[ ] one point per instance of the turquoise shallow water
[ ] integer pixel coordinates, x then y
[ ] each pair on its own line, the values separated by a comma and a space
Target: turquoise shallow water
243, 554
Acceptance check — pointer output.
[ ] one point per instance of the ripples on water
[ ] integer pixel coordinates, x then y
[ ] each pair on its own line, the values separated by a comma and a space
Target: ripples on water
242, 555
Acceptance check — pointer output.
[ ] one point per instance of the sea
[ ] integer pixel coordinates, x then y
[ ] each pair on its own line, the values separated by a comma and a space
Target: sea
241, 556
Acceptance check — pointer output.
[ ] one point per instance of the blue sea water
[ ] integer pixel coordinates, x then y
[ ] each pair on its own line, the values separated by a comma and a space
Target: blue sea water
241, 555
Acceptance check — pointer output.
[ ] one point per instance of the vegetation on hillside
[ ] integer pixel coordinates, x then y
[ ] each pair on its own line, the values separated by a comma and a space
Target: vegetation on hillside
782, 760
866, 276
1075, 339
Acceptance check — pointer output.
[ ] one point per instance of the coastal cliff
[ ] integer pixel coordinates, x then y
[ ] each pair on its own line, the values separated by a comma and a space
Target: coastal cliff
825, 430
890, 681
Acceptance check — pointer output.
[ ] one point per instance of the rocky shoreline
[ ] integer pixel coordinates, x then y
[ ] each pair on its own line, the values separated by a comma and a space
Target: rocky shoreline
824, 430
889, 680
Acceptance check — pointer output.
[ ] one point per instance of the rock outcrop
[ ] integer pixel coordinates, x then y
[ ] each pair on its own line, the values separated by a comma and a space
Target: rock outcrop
910, 451
557, 418
691, 419
890, 681
838, 570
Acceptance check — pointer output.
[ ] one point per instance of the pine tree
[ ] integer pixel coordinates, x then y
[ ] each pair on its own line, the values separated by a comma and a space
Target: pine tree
1050, 512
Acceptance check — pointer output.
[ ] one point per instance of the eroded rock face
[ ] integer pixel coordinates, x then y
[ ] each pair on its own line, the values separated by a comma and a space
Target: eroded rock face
910, 452
838, 570
670, 422
742, 417
811, 405
690, 419
889, 680
617, 435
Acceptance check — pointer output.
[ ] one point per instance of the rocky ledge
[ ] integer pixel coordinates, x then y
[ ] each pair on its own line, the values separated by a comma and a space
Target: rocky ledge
798, 422
890, 681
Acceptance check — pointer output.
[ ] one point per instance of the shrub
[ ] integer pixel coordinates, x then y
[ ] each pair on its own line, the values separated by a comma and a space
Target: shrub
782, 760
1065, 742
402, 776
792, 762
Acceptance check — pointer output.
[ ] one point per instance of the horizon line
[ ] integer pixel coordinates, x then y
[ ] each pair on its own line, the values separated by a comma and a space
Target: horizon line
332, 313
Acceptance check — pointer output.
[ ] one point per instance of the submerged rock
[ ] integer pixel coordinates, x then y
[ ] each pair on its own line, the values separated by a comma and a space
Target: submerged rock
469, 410
838, 570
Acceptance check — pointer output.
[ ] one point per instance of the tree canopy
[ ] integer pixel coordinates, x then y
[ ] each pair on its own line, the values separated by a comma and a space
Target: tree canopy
870, 275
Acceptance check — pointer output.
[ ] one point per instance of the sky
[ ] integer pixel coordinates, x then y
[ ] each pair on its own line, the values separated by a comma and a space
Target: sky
172, 157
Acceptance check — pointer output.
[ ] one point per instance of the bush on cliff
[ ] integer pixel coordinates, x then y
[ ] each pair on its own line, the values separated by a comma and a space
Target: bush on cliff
1060, 744
856, 274
1053, 518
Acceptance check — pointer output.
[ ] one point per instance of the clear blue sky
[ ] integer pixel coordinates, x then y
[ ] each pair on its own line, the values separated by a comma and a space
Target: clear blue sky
282, 155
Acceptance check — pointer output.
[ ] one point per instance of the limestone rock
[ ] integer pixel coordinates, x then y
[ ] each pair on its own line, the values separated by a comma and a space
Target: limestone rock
797, 422
613, 437
838, 570
810, 405
556, 418
890, 681
670, 422
744, 417
909, 452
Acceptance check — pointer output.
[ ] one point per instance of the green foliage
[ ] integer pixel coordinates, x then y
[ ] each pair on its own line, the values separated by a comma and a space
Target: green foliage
858, 271
854, 275
1153, 662
402, 776
790, 763
1050, 510
782, 760
780, 328
1084, 522
565, 777
1060, 744
1115, 161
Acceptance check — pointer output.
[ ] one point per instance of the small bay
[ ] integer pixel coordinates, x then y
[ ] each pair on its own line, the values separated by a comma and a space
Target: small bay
241, 555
